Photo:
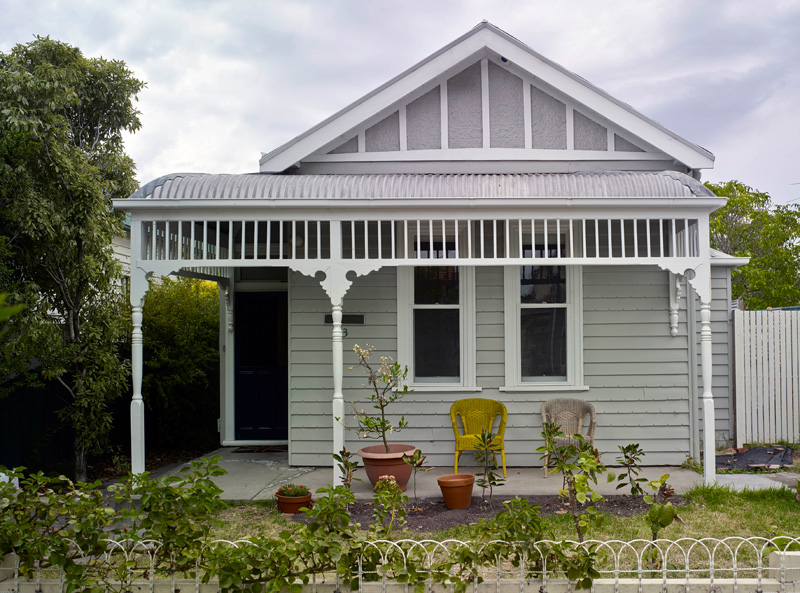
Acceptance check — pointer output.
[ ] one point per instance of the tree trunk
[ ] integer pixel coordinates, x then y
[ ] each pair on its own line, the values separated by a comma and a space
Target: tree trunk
81, 474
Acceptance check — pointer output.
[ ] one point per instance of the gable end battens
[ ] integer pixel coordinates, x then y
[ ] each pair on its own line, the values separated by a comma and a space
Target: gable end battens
491, 48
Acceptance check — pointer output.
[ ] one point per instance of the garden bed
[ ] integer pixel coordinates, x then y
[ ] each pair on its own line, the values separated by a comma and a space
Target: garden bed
432, 515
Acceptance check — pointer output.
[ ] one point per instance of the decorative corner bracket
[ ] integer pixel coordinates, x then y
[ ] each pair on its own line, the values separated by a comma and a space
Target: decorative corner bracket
228, 295
336, 283
699, 278
675, 294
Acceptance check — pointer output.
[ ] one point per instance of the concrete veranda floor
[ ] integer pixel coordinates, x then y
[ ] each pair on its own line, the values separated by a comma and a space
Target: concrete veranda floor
257, 475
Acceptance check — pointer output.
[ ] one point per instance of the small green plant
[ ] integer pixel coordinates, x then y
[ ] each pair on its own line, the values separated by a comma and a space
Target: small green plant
416, 461
579, 464
486, 457
631, 456
660, 513
347, 467
389, 511
692, 464
293, 490
387, 385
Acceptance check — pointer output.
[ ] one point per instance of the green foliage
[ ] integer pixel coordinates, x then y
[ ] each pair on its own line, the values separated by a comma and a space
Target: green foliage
328, 542
389, 511
180, 324
750, 225
62, 161
40, 521
8, 311
487, 459
416, 462
692, 464
660, 512
67, 525
55, 522
579, 464
387, 385
631, 456
347, 466
292, 490
176, 510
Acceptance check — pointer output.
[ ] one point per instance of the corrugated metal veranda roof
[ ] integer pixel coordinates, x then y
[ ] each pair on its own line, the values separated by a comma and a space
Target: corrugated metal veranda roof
260, 186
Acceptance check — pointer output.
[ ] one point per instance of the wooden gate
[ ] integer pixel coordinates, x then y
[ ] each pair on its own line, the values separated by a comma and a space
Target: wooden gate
767, 347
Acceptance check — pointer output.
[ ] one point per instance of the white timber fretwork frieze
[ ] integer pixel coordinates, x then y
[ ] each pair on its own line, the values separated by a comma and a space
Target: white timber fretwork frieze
208, 245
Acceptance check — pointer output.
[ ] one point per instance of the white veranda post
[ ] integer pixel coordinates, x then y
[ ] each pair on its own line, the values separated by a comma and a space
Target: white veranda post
139, 286
709, 441
338, 396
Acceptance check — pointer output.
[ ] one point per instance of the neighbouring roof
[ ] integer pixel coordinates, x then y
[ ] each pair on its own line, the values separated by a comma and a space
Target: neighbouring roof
719, 258
495, 94
261, 186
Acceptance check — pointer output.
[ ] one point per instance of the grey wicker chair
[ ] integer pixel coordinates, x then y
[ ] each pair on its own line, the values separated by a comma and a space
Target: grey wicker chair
570, 415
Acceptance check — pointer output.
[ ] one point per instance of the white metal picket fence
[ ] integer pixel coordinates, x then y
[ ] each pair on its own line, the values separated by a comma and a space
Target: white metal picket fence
730, 565
767, 347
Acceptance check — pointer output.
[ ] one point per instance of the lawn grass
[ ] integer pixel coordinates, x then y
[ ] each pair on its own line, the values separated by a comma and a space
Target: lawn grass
714, 512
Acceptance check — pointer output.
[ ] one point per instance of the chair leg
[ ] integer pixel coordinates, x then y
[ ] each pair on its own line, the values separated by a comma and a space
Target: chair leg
455, 467
546, 464
503, 456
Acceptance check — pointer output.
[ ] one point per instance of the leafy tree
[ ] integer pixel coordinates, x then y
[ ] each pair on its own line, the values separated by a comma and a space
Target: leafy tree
181, 362
750, 225
62, 161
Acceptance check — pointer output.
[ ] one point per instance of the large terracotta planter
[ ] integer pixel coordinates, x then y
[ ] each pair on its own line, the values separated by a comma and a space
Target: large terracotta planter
292, 504
457, 490
377, 463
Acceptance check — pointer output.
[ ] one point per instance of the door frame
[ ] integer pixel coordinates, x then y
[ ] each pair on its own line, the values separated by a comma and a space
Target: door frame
227, 428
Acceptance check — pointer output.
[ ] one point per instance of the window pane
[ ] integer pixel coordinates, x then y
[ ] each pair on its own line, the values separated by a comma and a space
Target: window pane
437, 353
438, 249
543, 284
543, 341
436, 285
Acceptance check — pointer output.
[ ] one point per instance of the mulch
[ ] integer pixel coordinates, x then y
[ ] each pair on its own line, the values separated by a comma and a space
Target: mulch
432, 515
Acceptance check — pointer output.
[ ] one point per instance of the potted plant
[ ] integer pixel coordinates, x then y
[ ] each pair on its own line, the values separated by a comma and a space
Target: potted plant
387, 385
291, 498
456, 490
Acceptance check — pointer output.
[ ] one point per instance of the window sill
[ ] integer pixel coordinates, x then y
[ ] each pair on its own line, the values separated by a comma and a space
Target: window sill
445, 387
530, 387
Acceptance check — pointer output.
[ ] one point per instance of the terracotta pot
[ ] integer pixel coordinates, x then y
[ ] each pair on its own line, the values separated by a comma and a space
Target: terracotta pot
457, 490
292, 504
377, 463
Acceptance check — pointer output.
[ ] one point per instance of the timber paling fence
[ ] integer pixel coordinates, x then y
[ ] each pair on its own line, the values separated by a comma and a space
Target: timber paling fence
732, 564
767, 349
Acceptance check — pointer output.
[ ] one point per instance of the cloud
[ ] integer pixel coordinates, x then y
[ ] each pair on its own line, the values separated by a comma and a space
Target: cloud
228, 80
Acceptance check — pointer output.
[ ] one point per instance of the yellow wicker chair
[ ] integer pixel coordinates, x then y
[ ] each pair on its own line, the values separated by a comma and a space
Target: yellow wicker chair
478, 414
570, 415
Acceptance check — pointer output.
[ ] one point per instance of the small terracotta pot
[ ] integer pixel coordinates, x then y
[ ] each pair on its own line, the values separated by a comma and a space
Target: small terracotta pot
377, 463
292, 504
457, 490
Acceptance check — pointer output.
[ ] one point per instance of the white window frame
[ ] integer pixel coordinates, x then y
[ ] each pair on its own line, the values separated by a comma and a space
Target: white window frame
574, 307
405, 327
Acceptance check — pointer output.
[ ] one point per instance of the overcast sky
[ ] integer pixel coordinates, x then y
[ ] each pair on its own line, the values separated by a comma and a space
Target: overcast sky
228, 80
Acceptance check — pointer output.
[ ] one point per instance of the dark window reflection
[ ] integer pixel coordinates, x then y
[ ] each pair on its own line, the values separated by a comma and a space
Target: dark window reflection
543, 342
437, 343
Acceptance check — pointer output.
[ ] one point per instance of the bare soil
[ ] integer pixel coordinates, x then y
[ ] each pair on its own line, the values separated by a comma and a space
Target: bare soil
432, 515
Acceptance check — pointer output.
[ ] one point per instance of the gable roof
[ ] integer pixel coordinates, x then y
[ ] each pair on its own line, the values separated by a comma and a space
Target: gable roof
596, 130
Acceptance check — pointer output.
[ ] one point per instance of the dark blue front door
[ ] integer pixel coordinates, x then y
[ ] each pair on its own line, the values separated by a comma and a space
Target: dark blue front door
261, 361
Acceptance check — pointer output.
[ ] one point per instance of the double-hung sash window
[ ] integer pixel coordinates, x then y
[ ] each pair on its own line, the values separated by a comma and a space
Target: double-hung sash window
435, 321
543, 320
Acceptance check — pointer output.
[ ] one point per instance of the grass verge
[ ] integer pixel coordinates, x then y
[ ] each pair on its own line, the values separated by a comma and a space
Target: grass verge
714, 512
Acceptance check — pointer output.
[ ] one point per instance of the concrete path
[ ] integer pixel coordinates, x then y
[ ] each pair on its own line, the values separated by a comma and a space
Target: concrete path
256, 476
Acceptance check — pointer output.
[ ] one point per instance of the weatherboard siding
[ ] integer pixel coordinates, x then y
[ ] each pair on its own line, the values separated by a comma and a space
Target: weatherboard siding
637, 373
